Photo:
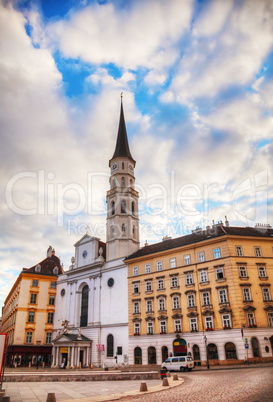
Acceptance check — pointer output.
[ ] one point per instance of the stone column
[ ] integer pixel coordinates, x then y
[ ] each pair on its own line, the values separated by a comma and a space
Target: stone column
78, 356
57, 355
87, 355
72, 356
53, 356
69, 356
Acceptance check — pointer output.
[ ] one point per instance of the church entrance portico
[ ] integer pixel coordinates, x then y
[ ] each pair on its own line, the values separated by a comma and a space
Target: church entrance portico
71, 351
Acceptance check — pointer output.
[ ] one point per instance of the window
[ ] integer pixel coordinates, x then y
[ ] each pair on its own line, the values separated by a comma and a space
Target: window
216, 253
247, 294
51, 301
163, 327
84, 306
203, 276
122, 165
176, 303
136, 288
177, 326
123, 207
189, 279
33, 298
206, 298
191, 300
122, 181
35, 283
222, 295
53, 285
251, 319
219, 273
193, 324
242, 272
133, 208
201, 256
38, 268
226, 320
150, 327
187, 259
110, 345
149, 306
50, 318
31, 316
262, 272
48, 337
161, 304
55, 270
135, 271
270, 319
172, 262
258, 252
148, 268
113, 208
148, 286
160, 284
136, 308
159, 265
137, 328
209, 322
174, 282
266, 294
123, 229
239, 251
29, 337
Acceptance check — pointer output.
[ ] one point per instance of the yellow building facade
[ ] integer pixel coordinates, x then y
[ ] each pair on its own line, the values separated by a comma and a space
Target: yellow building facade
208, 294
28, 313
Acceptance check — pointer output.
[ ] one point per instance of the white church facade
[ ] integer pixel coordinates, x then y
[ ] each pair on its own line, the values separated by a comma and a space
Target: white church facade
91, 319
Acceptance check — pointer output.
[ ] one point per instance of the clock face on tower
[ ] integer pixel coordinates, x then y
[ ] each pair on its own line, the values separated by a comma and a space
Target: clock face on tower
131, 167
84, 254
114, 166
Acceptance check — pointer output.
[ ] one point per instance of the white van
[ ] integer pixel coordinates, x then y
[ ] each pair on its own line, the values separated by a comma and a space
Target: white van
179, 363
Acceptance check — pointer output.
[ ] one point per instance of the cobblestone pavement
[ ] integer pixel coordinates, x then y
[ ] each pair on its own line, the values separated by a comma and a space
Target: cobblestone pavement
252, 385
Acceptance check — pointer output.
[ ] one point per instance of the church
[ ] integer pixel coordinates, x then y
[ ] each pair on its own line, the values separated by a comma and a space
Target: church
91, 319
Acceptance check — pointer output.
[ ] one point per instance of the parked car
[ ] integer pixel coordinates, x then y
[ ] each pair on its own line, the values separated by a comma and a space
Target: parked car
179, 363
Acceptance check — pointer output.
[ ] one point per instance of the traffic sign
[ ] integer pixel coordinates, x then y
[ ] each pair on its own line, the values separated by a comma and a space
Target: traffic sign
246, 345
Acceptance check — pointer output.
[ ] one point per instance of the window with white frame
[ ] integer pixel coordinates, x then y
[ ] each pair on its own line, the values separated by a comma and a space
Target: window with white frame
270, 319
176, 303
216, 253
203, 275
161, 304
251, 319
201, 256
266, 294
148, 268
247, 294
136, 307
50, 317
187, 259
226, 320
174, 281
136, 328
206, 298
177, 326
136, 288
191, 300
53, 285
219, 273
258, 251
172, 262
148, 286
193, 324
135, 271
159, 265
222, 295
189, 279
149, 306
48, 337
150, 327
242, 272
239, 251
262, 272
209, 322
160, 284
51, 300
163, 326
31, 316
29, 337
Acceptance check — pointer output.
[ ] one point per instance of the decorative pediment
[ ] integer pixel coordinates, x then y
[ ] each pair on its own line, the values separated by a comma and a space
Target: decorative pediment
149, 318
224, 310
136, 319
162, 317
268, 308
176, 316
192, 314
249, 308
208, 312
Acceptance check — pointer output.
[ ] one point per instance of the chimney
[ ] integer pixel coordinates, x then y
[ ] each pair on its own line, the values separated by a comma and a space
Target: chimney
226, 222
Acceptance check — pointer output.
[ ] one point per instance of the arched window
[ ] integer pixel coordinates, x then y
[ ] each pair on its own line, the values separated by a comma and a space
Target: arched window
123, 207
84, 306
255, 347
122, 181
134, 231
133, 208
196, 352
230, 350
123, 229
131, 183
138, 355
122, 165
113, 208
151, 355
114, 183
212, 351
110, 346
164, 353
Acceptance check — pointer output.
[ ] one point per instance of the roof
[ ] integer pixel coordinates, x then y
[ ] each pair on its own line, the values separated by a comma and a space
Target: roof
198, 236
75, 337
47, 266
122, 145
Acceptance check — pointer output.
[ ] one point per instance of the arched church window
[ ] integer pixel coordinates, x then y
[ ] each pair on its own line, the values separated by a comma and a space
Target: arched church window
123, 228
113, 208
114, 183
133, 208
131, 183
122, 165
123, 207
123, 181
110, 346
84, 307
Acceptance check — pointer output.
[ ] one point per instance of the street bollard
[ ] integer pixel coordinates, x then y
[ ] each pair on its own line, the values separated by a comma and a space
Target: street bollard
175, 377
143, 387
6, 398
168, 374
165, 382
51, 397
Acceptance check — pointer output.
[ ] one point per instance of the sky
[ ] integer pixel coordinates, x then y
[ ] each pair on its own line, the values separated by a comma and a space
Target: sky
197, 83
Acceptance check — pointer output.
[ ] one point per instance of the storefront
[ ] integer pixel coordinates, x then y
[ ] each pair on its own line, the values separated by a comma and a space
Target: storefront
25, 356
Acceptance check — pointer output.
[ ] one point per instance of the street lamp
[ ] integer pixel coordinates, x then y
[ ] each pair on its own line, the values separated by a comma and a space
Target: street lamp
205, 338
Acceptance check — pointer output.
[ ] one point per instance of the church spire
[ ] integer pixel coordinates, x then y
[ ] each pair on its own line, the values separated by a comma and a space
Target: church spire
122, 145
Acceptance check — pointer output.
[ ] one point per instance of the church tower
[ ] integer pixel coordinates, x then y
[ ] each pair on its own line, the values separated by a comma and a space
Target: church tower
122, 236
